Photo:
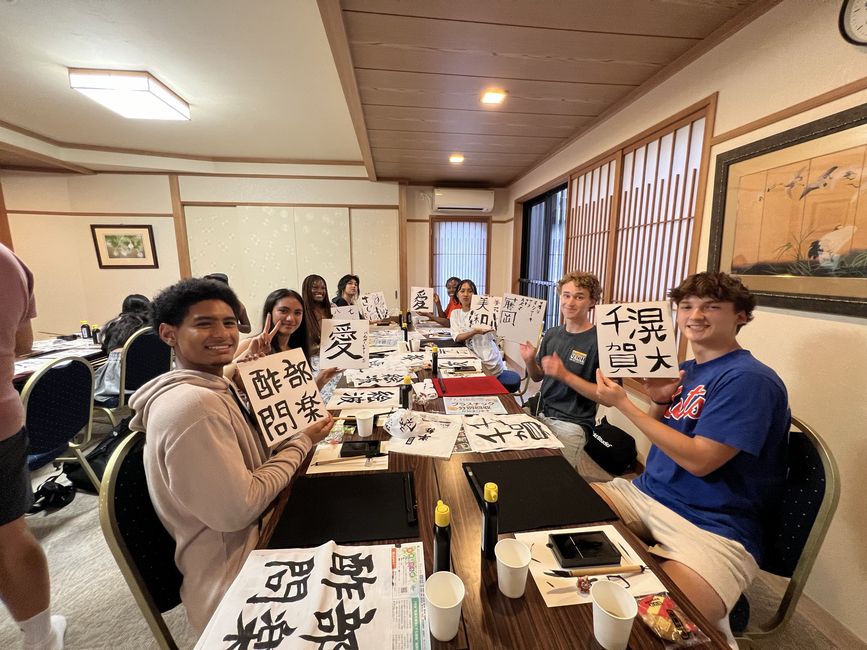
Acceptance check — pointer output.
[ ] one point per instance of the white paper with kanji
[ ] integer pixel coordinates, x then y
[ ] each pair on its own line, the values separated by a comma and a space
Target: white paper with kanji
403, 360
349, 312
421, 299
521, 318
376, 378
636, 340
484, 311
361, 398
283, 394
474, 405
326, 597
345, 344
434, 435
455, 352
501, 432
373, 306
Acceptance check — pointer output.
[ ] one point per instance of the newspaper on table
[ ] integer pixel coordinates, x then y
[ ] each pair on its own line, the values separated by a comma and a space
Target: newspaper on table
521, 318
283, 394
373, 306
362, 398
434, 436
349, 312
484, 311
376, 377
330, 596
421, 299
385, 338
636, 340
345, 344
508, 432
557, 592
474, 405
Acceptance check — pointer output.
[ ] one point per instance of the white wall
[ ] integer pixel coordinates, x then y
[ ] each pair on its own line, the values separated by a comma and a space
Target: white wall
245, 241
789, 55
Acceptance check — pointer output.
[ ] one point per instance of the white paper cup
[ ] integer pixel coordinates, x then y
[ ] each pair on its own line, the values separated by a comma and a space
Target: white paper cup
614, 610
414, 345
364, 422
443, 594
513, 562
402, 346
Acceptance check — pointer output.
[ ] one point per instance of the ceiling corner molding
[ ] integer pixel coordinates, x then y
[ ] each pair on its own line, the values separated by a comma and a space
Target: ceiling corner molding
720, 34
38, 161
335, 30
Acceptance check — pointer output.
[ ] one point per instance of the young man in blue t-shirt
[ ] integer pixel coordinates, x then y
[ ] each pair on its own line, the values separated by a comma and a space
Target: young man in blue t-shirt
717, 464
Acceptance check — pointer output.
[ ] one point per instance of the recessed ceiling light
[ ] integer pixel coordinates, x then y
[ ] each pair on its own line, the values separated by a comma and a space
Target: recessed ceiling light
493, 96
456, 158
132, 94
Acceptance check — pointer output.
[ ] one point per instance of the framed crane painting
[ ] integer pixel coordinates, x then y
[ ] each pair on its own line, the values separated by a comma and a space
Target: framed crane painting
790, 216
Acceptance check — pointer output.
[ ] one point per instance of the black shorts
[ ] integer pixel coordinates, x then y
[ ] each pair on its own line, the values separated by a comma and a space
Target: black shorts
16, 497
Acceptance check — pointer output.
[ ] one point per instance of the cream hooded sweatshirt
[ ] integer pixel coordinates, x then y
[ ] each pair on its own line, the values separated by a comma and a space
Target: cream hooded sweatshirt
209, 477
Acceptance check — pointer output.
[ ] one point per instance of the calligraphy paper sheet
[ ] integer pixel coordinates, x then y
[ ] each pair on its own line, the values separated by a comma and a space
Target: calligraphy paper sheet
327, 597
373, 306
325, 452
355, 398
349, 312
434, 436
344, 344
376, 378
637, 340
563, 591
502, 432
521, 318
455, 353
474, 405
282, 393
484, 311
421, 299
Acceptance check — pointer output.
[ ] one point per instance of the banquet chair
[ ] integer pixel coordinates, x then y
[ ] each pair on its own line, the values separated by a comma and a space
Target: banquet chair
144, 356
58, 406
142, 548
795, 534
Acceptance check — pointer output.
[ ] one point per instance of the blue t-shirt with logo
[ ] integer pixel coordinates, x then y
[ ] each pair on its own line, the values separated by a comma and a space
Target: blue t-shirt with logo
740, 402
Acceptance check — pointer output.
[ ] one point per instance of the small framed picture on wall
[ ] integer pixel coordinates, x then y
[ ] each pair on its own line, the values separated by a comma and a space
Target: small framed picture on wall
124, 247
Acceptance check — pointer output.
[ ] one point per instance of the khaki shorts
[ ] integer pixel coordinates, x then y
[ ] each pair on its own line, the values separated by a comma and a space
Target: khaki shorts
723, 563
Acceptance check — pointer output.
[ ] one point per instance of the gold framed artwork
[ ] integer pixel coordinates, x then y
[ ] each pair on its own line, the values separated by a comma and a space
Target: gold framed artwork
790, 216
124, 247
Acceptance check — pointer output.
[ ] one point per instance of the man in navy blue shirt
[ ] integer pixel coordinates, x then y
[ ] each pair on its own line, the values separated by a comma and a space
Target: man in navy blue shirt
717, 464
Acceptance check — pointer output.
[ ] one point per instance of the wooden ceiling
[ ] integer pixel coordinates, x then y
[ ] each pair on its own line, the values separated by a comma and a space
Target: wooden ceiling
414, 72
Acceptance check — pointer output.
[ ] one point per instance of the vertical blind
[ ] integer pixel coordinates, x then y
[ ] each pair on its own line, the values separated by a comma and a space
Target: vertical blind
460, 249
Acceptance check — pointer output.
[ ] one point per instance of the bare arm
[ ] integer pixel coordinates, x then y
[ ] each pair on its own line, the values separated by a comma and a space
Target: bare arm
528, 354
552, 366
697, 455
24, 339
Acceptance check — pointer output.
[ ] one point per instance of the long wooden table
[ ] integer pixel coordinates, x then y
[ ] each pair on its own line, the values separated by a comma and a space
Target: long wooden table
489, 619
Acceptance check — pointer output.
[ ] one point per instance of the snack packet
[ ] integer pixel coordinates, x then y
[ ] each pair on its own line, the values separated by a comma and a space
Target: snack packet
668, 621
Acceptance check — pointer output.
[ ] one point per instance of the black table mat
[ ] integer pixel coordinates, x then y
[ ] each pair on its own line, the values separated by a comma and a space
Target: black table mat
538, 493
346, 508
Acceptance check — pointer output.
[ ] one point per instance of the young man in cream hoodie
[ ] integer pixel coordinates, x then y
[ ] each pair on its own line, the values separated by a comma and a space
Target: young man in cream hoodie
209, 475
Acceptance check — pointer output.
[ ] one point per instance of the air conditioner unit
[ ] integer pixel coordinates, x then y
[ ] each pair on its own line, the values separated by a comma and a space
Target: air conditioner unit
450, 200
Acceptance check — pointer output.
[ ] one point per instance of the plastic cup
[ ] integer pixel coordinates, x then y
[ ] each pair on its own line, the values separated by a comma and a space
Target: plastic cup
513, 562
364, 423
443, 594
614, 610
402, 347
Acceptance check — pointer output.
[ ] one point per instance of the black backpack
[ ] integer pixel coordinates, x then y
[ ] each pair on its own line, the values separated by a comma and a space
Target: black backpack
612, 448
97, 457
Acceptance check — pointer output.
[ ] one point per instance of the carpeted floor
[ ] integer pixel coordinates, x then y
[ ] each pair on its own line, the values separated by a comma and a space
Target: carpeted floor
87, 587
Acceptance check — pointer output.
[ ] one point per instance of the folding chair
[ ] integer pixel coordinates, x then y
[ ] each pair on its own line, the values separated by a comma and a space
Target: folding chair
141, 546
795, 535
58, 406
144, 356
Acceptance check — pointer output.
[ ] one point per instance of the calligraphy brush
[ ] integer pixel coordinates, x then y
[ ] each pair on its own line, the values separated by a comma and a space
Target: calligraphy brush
341, 460
596, 571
